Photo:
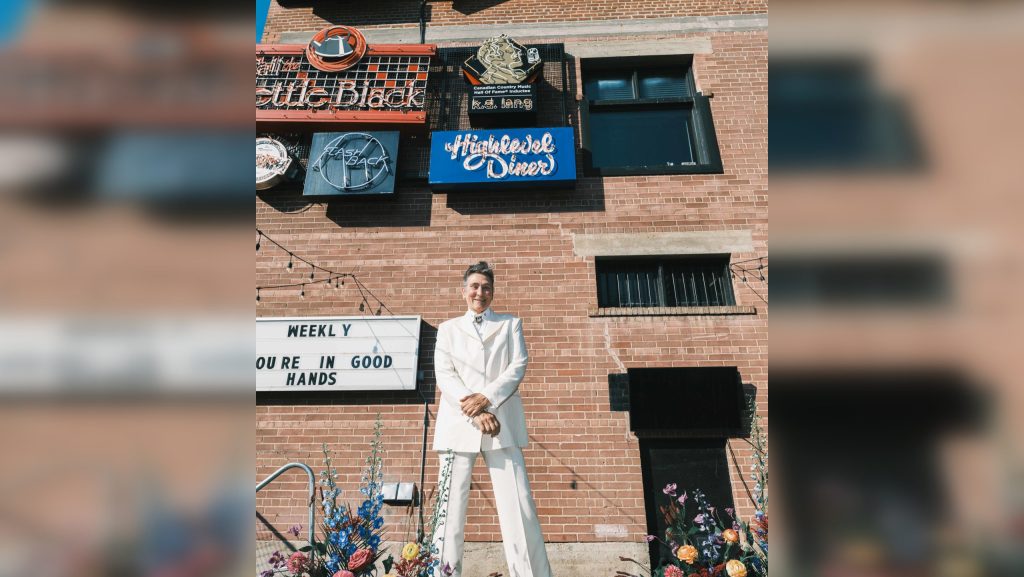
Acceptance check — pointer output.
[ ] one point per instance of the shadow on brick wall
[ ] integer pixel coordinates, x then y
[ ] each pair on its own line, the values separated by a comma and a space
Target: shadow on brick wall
425, 388
361, 13
588, 196
409, 206
468, 7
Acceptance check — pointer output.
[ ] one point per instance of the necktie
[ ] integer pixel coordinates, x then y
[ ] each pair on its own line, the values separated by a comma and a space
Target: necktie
478, 319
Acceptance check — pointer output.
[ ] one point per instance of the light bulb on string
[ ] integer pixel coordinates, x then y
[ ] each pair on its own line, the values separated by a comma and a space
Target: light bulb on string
289, 261
312, 273
378, 311
302, 294
361, 308
257, 295
258, 242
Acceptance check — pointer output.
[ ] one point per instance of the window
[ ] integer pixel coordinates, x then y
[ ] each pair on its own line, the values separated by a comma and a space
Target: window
887, 280
664, 282
646, 119
831, 115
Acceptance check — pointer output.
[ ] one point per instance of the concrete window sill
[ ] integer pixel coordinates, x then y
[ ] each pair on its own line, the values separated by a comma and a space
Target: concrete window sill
670, 311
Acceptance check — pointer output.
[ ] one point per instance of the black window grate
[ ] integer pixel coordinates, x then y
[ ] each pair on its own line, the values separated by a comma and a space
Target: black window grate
671, 282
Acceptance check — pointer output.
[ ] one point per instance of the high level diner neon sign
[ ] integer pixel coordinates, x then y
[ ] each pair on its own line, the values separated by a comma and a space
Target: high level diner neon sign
520, 157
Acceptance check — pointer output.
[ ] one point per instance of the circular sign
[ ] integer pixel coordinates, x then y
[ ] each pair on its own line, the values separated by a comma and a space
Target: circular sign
336, 48
272, 162
353, 162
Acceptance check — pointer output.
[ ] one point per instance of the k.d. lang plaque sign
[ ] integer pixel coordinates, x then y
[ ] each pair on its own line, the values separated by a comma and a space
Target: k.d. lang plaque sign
337, 353
351, 163
502, 158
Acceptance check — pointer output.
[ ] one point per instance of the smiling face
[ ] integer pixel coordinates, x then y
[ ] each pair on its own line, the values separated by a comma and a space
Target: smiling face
478, 292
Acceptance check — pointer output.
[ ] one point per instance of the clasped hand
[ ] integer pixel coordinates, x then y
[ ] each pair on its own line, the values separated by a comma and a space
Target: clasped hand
473, 406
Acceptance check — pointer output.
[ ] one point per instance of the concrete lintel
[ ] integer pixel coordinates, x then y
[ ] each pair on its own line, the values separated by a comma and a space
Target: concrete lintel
696, 242
596, 49
555, 30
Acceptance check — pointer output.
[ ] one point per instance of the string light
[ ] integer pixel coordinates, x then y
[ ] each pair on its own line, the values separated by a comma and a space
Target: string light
257, 294
337, 277
258, 242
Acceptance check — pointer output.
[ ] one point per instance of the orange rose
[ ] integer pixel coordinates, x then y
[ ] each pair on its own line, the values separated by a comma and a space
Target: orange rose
687, 554
735, 568
730, 536
360, 559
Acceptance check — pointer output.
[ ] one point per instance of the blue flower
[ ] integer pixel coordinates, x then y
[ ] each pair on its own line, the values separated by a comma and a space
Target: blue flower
378, 522
373, 542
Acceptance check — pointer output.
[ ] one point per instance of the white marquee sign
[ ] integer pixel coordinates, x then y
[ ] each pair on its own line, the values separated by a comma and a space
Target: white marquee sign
337, 353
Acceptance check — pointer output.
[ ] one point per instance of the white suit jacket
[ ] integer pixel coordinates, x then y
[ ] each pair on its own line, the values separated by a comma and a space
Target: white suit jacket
494, 365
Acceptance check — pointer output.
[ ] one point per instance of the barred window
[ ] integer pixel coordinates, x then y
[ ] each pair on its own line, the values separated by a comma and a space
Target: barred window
664, 282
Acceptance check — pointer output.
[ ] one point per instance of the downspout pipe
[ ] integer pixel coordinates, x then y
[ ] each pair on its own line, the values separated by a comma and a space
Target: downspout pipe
423, 21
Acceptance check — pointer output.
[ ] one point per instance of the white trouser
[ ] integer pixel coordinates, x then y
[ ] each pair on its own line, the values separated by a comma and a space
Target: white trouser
517, 515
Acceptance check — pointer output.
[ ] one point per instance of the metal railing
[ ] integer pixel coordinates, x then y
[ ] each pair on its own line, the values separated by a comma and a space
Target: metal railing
311, 526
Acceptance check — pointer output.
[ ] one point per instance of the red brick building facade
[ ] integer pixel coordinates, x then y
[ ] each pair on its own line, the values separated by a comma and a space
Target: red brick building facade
585, 456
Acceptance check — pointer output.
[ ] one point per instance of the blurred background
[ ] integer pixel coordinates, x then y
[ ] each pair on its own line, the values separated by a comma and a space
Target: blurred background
126, 397
125, 321
896, 243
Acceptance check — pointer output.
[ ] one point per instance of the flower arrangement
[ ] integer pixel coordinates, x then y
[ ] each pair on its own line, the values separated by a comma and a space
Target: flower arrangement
352, 538
420, 558
703, 543
706, 544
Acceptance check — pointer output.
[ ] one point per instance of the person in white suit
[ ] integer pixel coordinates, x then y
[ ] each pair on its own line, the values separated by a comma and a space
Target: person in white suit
479, 360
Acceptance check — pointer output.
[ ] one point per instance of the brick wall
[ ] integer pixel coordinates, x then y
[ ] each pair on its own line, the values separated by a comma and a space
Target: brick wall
294, 16
410, 251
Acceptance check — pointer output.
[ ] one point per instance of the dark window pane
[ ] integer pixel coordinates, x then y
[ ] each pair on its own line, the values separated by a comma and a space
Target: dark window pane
662, 84
657, 137
864, 281
610, 86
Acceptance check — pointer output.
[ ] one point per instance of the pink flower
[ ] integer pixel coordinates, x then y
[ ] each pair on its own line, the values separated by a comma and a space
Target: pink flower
343, 573
298, 563
682, 498
670, 489
730, 511
650, 538
360, 559
295, 529
699, 519
673, 571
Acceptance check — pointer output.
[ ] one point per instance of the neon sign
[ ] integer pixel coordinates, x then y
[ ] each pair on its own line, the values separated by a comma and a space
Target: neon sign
512, 157
338, 77
348, 163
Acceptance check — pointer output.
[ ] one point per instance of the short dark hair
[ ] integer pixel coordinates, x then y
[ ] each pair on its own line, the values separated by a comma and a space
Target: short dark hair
479, 268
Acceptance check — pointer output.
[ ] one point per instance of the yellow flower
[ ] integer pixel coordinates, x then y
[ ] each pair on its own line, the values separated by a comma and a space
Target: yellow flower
410, 551
687, 554
735, 568
730, 536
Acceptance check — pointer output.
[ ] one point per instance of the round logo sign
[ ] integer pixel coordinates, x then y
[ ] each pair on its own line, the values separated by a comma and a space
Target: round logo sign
336, 48
272, 162
353, 162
